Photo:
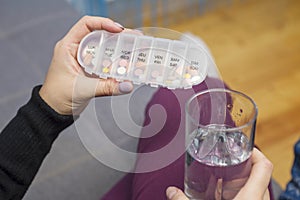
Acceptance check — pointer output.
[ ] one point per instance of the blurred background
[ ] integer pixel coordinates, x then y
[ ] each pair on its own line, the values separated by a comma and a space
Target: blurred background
255, 43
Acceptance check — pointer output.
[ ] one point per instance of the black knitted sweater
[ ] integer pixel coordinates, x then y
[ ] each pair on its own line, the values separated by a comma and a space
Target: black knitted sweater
25, 142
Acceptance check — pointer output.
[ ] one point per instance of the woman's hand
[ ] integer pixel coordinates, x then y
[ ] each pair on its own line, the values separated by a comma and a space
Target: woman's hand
257, 184
174, 193
67, 88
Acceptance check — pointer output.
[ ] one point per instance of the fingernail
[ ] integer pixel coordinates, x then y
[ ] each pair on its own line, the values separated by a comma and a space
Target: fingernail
125, 87
171, 191
119, 25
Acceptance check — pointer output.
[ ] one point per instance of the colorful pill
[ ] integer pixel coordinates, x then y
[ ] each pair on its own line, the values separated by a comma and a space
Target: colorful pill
138, 72
168, 82
121, 70
187, 76
193, 72
123, 63
179, 70
105, 70
155, 74
140, 64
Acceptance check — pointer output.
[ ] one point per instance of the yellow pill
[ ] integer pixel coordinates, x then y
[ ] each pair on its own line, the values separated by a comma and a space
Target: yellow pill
168, 82
187, 76
105, 70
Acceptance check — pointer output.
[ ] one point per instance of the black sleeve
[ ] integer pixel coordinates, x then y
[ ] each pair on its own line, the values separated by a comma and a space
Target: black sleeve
25, 142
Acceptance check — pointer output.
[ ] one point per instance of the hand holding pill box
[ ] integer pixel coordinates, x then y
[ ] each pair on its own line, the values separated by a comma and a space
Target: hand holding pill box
143, 59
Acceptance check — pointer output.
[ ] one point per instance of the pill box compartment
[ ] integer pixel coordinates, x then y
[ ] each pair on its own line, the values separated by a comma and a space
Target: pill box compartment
175, 64
195, 69
157, 62
87, 51
141, 55
106, 54
122, 59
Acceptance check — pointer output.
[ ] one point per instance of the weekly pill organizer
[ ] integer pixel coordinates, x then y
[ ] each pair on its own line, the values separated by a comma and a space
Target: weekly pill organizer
143, 59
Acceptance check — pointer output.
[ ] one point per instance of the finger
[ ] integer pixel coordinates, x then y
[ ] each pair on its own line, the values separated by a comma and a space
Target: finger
233, 184
174, 193
88, 24
231, 188
86, 88
218, 191
267, 195
110, 87
259, 178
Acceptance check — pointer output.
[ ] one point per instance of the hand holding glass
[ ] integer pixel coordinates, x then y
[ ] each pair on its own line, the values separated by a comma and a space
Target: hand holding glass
220, 130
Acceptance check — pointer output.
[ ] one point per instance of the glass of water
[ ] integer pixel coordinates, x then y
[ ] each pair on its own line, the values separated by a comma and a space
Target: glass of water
220, 130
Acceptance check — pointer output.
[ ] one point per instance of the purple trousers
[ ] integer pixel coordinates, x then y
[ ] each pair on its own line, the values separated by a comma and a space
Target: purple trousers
161, 160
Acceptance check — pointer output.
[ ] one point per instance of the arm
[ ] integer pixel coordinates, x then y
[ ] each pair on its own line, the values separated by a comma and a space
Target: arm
24, 143
28, 137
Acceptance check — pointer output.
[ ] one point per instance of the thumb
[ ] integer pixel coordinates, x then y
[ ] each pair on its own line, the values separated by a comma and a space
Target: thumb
174, 193
110, 87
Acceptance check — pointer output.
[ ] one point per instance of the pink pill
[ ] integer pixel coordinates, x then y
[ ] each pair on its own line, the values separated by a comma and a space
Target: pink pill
155, 74
193, 72
138, 72
123, 63
140, 64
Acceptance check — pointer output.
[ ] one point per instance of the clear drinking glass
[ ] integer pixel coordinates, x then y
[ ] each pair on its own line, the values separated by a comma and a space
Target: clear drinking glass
220, 130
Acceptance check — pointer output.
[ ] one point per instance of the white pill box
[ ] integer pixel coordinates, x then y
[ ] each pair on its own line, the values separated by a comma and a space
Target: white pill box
143, 59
